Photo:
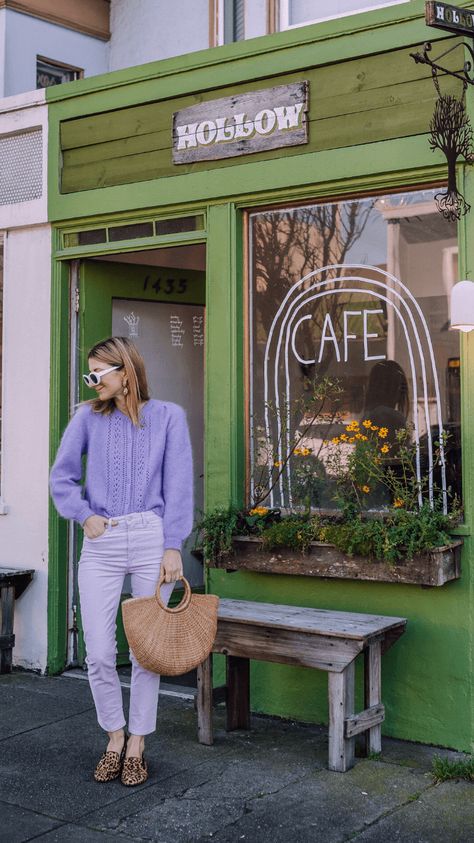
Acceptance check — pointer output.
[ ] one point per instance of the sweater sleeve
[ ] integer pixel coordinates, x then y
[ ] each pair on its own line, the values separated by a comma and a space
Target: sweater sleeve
66, 473
178, 478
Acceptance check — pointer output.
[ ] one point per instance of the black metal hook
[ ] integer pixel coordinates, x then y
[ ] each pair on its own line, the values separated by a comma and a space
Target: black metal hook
465, 74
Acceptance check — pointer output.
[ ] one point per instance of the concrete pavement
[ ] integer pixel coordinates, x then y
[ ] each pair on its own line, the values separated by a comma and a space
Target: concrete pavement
270, 784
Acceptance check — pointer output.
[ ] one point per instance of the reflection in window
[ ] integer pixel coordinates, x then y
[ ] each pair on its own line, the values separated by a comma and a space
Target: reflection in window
356, 292
50, 72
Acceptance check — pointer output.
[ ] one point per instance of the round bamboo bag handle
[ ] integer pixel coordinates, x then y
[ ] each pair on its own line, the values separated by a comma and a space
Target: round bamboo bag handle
184, 602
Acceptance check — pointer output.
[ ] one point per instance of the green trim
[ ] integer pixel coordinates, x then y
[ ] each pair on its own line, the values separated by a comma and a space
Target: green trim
120, 246
376, 166
59, 416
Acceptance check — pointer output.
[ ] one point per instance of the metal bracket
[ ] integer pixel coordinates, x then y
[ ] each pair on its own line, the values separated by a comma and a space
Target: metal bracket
465, 74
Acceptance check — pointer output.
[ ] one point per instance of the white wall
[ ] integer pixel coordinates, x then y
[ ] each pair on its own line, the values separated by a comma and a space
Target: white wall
26, 366
147, 30
2, 51
255, 18
25, 431
27, 37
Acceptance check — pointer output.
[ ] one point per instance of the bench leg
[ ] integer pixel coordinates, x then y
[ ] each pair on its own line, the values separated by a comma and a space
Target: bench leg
238, 693
7, 639
204, 702
372, 693
341, 705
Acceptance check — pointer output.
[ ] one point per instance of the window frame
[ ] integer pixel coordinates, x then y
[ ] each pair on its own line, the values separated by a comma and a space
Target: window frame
258, 208
284, 13
78, 71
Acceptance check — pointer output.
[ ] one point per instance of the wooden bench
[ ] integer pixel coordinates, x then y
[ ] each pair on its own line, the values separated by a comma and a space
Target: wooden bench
12, 583
317, 638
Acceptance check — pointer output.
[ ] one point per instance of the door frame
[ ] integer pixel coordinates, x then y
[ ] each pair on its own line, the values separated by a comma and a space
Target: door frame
62, 620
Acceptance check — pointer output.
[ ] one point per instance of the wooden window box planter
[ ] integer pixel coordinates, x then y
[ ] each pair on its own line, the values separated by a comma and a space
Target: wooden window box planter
434, 568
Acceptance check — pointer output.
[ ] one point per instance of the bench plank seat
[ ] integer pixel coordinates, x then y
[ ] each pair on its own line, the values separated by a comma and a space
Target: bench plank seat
319, 638
319, 621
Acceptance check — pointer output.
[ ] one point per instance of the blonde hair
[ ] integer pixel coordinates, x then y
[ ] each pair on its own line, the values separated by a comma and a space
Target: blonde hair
120, 351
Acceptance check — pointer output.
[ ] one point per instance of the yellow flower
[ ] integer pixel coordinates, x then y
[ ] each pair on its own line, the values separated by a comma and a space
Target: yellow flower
278, 463
352, 439
352, 427
297, 451
383, 432
398, 502
385, 449
335, 441
259, 510
373, 427
306, 451
343, 437
367, 423
365, 489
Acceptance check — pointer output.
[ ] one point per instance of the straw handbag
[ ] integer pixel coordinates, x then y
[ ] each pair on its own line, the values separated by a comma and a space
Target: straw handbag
171, 641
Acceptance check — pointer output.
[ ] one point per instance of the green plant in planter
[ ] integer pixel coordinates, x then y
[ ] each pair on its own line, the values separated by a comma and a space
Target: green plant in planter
399, 535
367, 463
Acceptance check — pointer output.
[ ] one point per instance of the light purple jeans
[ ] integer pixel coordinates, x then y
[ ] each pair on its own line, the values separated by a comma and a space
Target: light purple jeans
134, 546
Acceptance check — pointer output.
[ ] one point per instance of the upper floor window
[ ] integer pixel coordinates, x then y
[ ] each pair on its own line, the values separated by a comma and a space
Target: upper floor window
302, 12
49, 72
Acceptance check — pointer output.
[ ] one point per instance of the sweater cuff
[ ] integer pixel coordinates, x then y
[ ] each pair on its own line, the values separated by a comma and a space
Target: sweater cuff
172, 543
84, 513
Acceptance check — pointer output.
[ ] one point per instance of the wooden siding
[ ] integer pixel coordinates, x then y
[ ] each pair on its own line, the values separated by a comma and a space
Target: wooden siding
378, 97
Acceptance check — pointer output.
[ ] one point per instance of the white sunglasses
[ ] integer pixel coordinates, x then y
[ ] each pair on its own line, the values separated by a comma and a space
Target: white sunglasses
94, 378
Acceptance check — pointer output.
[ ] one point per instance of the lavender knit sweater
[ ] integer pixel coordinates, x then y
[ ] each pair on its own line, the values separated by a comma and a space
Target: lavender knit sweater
129, 469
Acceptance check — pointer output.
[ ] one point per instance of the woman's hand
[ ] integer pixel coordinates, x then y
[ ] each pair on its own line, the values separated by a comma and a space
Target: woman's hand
172, 565
95, 525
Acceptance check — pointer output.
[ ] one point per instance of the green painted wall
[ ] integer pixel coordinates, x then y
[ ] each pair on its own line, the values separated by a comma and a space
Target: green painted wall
427, 676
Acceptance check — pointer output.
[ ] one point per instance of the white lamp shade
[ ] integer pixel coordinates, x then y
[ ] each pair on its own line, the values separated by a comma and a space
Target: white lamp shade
462, 306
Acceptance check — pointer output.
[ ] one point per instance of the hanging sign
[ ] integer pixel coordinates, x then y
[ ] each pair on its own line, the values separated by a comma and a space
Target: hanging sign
445, 16
242, 124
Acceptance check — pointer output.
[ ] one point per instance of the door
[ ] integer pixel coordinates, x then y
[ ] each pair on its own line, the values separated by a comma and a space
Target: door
162, 312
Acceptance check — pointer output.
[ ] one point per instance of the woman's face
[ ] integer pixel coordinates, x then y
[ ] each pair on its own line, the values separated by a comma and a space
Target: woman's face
111, 385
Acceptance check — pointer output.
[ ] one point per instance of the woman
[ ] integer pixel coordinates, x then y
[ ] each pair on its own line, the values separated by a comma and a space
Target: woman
136, 509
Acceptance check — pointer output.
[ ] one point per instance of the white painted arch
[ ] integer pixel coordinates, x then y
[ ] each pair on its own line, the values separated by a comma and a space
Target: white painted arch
381, 286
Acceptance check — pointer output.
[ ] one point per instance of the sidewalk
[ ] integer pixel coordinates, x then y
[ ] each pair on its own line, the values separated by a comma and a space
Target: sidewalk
271, 784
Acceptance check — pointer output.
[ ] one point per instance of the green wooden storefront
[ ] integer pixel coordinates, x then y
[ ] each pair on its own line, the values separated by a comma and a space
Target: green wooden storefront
110, 164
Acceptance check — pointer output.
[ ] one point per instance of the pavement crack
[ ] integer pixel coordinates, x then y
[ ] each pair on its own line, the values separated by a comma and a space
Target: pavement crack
408, 801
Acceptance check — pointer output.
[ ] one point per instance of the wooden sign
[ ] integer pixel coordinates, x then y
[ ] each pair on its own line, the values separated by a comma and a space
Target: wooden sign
252, 122
444, 16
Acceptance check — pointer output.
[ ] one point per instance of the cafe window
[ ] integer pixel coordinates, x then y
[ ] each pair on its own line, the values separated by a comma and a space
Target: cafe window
354, 295
49, 72
302, 12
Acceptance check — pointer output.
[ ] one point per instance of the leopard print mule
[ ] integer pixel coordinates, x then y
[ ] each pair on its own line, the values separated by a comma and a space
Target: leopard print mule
110, 765
134, 770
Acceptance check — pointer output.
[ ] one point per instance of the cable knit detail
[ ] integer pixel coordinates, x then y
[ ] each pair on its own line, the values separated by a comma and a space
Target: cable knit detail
141, 472
129, 468
117, 459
